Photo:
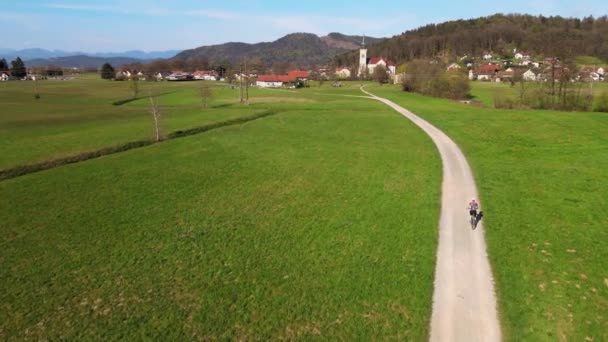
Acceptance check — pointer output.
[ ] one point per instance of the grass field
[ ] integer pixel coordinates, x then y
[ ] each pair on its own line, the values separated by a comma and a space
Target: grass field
590, 60
318, 222
79, 115
485, 92
541, 175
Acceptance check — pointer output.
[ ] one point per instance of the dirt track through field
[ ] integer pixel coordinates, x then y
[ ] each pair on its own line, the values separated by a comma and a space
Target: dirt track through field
464, 303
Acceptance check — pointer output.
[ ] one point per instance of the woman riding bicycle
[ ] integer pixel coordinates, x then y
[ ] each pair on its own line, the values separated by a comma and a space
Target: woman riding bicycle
473, 207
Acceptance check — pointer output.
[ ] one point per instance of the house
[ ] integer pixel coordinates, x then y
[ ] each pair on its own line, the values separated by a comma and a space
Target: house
399, 78
472, 75
486, 72
277, 81
504, 76
342, 72
453, 66
207, 75
367, 65
522, 56
377, 61
588, 76
299, 75
4, 76
271, 81
487, 56
555, 73
529, 75
179, 75
591, 73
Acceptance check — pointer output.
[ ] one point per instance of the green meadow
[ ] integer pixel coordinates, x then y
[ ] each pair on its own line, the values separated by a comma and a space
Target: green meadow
541, 177
318, 222
485, 92
79, 115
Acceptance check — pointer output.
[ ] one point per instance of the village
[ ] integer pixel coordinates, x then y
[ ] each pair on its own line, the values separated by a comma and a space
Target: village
488, 67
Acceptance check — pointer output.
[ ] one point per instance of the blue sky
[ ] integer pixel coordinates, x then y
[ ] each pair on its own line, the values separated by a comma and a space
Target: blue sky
118, 25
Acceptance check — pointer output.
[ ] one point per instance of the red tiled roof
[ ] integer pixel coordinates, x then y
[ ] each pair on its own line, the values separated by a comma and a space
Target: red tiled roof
376, 60
291, 76
275, 78
488, 68
298, 74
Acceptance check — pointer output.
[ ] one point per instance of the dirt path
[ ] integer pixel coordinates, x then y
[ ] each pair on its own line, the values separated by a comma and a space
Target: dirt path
464, 305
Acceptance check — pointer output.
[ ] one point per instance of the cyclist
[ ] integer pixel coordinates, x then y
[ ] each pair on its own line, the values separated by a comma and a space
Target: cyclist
473, 207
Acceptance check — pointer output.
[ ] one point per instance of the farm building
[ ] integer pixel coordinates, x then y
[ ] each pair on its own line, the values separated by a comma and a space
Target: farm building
342, 72
207, 75
277, 81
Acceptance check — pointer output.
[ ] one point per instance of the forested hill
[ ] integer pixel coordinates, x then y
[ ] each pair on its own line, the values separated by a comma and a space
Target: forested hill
499, 34
302, 49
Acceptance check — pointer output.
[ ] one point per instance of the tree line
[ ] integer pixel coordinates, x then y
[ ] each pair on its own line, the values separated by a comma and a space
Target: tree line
16, 69
500, 34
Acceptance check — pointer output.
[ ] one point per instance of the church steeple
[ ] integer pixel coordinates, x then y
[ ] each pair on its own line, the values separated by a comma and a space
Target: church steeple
362, 59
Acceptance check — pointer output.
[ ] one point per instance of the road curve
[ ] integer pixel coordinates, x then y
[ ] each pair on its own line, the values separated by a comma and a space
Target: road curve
464, 303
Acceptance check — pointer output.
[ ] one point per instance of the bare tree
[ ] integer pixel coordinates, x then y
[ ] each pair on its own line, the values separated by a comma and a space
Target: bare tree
155, 111
206, 95
36, 91
134, 85
380, 75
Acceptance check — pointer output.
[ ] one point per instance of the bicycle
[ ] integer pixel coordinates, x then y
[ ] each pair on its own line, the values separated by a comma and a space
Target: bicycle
475, 218
473, 221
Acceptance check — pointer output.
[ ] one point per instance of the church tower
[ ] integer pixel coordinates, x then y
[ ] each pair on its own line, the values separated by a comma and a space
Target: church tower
362, 59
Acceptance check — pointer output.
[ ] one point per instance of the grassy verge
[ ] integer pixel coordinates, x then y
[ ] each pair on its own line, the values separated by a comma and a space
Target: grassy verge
541, 177
318, 222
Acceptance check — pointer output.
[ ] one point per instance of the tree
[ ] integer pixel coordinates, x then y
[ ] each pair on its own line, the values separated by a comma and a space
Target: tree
3, 65
431, 79
134, 85
36, 91
18, 68
107, 72
206, 95
380, 74
155, 111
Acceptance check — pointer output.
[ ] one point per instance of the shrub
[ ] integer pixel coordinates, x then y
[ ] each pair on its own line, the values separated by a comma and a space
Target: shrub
433, 80
602, 103
503, 102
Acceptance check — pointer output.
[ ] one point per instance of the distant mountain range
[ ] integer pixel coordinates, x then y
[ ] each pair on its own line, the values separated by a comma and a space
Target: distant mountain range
301, 49
80, 61
36, 53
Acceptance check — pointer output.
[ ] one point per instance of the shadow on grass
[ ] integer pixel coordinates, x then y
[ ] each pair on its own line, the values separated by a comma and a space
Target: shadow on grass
223, 105
122, 102
22, 170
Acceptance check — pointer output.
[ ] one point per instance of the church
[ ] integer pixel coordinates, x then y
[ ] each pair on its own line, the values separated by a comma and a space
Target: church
367, 65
